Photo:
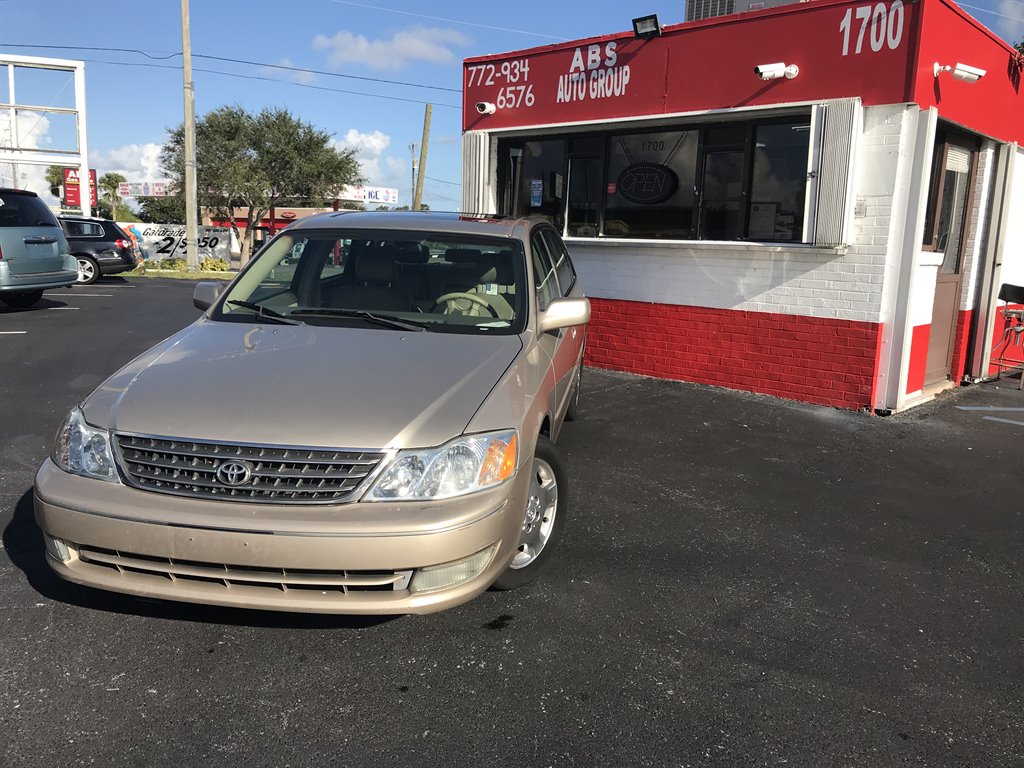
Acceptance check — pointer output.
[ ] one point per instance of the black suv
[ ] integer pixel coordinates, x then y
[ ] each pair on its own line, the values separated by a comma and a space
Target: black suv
100, 247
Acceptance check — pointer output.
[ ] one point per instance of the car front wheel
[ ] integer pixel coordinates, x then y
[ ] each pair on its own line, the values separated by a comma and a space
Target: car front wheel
88, 270
543, 518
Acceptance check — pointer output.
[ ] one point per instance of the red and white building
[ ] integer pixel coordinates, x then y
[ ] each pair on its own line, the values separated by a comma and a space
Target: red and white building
837, 234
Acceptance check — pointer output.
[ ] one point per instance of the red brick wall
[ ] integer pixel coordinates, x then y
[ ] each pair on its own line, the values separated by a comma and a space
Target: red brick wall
960, 340
816, 360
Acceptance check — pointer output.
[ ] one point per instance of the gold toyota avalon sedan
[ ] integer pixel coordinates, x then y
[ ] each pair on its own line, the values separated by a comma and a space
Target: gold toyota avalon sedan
363, 421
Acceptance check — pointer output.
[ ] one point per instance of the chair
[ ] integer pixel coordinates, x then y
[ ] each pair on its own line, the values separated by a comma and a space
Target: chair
376, 274
1013, 329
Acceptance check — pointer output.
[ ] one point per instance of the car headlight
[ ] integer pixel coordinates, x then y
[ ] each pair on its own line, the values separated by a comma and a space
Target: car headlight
84, 450
465, 465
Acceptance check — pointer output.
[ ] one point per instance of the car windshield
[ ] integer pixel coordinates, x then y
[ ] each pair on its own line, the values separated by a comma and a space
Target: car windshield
421, 281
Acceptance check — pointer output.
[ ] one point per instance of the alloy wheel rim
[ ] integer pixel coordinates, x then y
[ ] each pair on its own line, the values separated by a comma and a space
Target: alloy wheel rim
541, 507
85, 270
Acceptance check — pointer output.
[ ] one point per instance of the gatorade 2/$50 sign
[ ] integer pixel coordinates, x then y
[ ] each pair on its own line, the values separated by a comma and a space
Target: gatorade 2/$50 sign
167, 241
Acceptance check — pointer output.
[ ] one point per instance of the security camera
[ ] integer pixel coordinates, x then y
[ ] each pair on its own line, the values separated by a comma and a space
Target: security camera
776, 70
485, 108
967, 73
963, 72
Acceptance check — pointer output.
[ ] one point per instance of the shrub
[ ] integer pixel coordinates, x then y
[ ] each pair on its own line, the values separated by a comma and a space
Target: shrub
172, 263
211, 264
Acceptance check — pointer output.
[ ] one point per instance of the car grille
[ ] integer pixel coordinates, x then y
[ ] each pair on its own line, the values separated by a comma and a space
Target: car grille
242, 576
278, 475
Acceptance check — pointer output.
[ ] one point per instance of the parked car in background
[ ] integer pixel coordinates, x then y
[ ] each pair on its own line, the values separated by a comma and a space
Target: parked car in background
369, 429
99, 246
33, 250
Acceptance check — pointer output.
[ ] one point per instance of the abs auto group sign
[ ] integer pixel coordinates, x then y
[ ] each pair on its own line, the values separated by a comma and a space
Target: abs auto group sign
167, 241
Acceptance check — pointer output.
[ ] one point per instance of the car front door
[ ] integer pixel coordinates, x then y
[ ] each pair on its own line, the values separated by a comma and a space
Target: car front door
564, 345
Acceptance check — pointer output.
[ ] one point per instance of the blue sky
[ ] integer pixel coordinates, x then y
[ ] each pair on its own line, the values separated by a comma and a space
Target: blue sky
133, 98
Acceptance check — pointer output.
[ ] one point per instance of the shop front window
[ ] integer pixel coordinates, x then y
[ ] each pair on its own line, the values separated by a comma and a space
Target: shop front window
739, 180
650, 185
540, 185
779, 183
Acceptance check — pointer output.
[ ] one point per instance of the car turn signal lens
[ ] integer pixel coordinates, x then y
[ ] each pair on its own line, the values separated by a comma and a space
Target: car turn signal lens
499, 462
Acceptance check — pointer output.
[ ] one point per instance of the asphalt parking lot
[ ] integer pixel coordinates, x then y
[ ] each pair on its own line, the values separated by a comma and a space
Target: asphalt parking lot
744, 582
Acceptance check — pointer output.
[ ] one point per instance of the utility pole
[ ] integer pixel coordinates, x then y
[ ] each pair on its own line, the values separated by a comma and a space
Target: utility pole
191, 206
412, 186
417, 199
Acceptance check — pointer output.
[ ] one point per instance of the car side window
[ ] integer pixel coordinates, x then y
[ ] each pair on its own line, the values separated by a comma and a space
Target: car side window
563, 265
74, 228
545, 281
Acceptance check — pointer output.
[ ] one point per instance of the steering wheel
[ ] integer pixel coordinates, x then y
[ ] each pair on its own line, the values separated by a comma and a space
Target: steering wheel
450, 305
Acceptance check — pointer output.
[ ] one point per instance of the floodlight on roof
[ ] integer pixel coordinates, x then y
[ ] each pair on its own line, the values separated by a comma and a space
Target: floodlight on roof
646, 27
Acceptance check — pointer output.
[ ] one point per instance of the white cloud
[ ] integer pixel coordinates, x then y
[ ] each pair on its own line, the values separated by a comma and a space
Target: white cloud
32, 133
136, 162
304, 78
379, 169
427, 44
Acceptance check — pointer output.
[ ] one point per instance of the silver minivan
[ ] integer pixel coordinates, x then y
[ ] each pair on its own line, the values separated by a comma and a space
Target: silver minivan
33, 250
364, 421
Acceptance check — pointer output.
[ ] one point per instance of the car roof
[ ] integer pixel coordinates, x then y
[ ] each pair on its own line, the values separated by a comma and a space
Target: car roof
10, 191
97, 219
420, 221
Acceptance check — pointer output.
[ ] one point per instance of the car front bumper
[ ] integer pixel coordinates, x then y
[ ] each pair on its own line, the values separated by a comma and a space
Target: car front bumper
357, 558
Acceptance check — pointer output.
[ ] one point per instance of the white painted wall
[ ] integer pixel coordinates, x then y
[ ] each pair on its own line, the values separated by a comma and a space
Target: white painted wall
1013, 250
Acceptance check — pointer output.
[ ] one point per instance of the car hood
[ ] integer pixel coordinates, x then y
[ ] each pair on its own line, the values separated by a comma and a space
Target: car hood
304, 385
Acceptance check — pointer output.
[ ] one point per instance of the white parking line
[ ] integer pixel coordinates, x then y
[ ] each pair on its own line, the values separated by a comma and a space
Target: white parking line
11, 333
107, 295
56, 308
1004, 421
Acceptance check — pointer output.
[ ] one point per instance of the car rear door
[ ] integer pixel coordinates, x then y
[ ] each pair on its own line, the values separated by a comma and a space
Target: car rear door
31, 240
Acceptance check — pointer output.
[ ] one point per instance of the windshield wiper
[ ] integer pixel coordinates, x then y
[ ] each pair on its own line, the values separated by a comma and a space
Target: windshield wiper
363, 314
265, 313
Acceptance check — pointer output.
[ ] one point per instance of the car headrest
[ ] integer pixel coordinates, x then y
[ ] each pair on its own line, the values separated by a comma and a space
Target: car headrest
408, 252
376, 266
496, 268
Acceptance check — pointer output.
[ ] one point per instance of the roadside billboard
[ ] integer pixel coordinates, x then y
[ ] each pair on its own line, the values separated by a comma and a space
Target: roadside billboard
156, 188
167, 241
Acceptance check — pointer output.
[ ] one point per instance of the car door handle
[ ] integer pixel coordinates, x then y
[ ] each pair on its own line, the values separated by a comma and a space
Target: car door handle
40, 240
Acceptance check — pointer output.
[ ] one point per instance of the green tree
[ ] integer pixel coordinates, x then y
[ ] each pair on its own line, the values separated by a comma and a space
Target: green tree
109, 204
258, 162
1020, 47
162, 210
55, 179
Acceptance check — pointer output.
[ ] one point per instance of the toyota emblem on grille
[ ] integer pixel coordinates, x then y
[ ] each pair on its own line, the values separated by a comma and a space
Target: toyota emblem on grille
235, 473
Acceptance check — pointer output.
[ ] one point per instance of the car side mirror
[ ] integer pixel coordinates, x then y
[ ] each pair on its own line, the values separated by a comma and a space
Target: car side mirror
206, 293
563, 313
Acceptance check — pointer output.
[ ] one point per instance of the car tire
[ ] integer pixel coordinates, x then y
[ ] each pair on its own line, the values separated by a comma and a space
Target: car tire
543, 518
21, 299
572, 411
88, 270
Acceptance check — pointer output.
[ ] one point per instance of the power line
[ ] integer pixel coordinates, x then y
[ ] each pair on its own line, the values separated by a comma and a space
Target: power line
246, 62
442, 181
87, 48
271, 80
328, 74
451, 21
991, 12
